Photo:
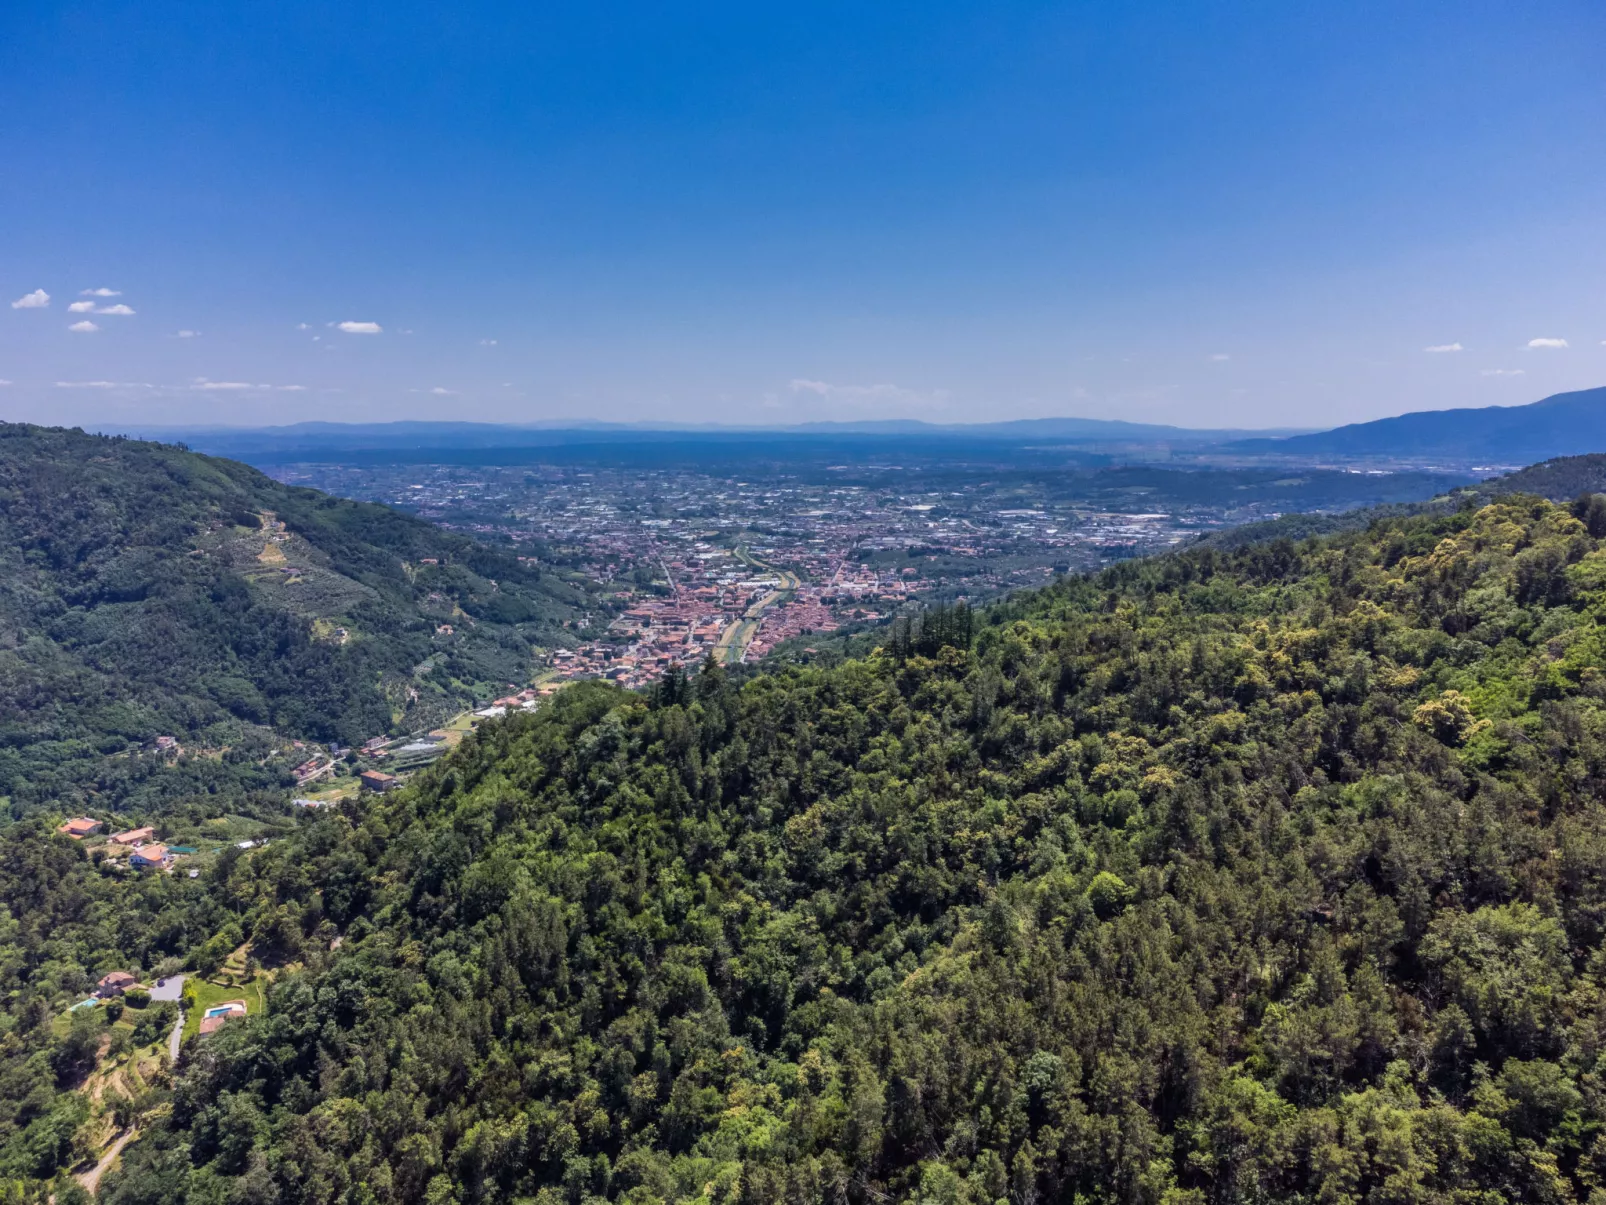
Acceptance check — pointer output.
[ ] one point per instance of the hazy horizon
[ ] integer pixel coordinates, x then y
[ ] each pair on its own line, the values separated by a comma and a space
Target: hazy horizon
1211, 216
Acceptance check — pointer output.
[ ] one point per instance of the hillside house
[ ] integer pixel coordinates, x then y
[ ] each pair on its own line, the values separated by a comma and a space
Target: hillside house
134, 836
80, 827
151, 856
378, 781
114, 984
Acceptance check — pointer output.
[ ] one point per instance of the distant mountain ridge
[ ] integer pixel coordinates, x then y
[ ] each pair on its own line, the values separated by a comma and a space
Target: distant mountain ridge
1564, 424
416, 428
336, 437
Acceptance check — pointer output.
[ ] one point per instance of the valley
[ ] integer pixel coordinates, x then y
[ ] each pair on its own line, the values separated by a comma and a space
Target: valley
677, 904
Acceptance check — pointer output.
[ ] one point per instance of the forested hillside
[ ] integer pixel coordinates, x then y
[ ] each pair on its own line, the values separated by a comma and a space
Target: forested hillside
1271, 874
146, 591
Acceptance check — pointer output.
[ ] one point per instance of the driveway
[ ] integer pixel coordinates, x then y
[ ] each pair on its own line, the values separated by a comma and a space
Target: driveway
171, 989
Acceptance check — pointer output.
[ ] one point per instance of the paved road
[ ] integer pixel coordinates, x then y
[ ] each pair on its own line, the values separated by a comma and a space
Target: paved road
171, 988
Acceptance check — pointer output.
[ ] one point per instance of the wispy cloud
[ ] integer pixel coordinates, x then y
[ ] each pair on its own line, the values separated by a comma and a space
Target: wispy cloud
203, 383
360, 328
81, 307
1220, 356
1501, 372
292, 388
439, 392
866, 393
100, 292
188, 334
84, 328
1541, 344
119, 309
1444, 347
37, 300
95, 385
4, 383
487, 342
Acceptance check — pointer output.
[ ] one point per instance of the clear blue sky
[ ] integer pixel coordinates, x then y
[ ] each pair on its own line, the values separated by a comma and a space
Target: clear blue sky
1212, 213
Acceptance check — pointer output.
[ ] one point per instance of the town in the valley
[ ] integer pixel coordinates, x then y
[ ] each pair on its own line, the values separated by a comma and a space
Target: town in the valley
732, 560
693, 565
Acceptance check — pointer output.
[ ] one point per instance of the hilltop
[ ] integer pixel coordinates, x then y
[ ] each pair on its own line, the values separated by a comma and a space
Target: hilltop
1563, 478
1271, 873
148, 591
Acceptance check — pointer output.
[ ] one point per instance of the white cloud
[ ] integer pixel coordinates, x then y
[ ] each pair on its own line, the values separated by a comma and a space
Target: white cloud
203, 383
81, 307
100, 293
1443, 347
292, 388
37, 300
360, 328
303, 326
188, 334
83, 328
1220, 356
487, 342
119, 309
439, 392
1537, 344
1501, 372
86, 385
4, 383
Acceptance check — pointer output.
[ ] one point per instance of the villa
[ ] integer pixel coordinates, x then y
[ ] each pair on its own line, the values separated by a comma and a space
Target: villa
114, 984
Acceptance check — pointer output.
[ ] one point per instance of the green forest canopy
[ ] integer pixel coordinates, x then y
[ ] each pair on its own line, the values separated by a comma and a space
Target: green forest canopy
1276, 873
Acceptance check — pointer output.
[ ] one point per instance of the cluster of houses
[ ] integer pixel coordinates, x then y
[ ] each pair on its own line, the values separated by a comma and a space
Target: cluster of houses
800, 618
147, 853
525, 700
